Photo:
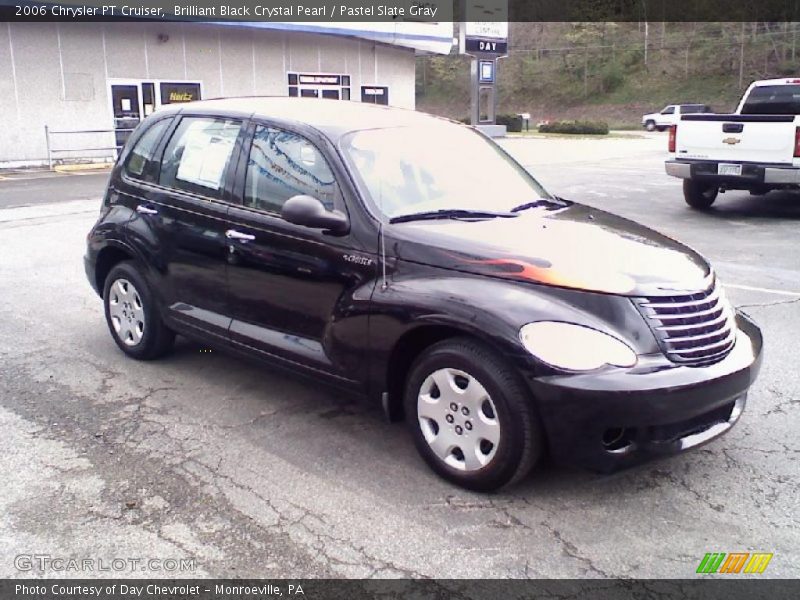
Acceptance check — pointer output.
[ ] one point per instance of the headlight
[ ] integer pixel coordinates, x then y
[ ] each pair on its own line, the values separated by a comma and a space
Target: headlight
574, 347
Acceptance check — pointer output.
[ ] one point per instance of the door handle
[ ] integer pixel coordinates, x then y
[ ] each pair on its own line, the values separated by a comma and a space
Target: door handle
146, 210
232, 234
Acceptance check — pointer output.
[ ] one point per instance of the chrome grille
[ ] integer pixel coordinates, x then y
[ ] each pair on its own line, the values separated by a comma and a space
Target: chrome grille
693, 329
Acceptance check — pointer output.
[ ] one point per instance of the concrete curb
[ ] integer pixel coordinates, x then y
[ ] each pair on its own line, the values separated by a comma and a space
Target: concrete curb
83, 167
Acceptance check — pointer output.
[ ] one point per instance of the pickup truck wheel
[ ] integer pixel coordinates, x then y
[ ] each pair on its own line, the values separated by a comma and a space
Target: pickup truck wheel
661, 129
132, 314
699, 195
471, 417
650, 126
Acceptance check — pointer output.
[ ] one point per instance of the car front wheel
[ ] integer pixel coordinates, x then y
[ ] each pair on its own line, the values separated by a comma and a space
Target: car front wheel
472, 419
132, 314
699, 195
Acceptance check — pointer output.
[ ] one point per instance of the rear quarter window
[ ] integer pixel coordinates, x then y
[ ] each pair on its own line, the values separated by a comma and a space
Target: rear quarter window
142, 163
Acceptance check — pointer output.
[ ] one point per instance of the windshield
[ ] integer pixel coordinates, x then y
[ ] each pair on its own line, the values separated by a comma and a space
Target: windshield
773, 100
443, 166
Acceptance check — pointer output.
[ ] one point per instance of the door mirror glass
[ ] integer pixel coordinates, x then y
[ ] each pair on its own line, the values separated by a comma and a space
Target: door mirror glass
310, 212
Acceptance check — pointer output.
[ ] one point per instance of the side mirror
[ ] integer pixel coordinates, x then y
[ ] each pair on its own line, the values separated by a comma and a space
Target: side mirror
310, 212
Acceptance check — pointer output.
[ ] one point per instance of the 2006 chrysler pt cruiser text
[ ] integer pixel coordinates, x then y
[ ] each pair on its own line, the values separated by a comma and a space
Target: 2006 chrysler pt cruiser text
410, 259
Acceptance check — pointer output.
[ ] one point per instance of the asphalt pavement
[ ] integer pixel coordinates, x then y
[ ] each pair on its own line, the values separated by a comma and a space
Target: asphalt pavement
45, 187
252, 473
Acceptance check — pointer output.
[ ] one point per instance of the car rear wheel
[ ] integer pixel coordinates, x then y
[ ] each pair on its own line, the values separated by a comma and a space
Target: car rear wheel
472, 419
699, 195
132, 314
650, 126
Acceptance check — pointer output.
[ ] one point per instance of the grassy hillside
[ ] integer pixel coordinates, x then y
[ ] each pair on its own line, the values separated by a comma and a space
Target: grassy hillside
618, 71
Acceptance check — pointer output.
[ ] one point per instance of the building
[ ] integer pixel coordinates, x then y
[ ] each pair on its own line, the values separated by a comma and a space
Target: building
70, 77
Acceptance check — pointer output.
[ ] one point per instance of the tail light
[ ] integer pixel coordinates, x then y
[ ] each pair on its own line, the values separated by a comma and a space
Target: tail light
797, 142
673, 134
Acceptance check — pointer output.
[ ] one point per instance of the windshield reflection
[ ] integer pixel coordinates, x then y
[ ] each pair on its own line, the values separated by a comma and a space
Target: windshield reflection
407, 170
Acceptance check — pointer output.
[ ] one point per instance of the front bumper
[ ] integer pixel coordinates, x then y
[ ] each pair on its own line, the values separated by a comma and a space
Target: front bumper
617, 418
753, 174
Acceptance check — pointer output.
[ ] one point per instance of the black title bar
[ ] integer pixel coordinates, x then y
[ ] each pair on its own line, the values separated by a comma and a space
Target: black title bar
402, 10
702, 588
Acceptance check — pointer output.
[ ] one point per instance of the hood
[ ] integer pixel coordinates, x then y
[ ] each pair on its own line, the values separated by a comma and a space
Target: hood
575, 247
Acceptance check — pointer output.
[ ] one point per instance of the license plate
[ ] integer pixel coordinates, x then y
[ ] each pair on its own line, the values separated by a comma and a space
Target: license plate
726, 169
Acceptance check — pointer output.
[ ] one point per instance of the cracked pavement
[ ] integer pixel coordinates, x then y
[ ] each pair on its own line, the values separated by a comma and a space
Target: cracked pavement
254, 473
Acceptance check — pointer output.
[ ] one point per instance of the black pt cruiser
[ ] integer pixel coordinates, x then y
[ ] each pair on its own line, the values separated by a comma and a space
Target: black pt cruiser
410, 259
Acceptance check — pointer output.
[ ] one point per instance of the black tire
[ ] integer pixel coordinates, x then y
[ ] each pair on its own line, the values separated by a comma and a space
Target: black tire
650, 126
156, 339
661, 129
699, 195
520, 440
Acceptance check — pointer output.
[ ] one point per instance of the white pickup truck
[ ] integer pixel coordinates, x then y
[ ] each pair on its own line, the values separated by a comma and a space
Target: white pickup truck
757, 148
670, 115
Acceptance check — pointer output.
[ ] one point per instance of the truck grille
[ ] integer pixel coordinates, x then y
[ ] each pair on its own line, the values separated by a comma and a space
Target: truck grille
696, 329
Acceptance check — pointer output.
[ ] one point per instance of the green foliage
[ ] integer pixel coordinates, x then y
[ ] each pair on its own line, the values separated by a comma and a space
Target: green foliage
575, 127
618, 71
513, 123
612, 77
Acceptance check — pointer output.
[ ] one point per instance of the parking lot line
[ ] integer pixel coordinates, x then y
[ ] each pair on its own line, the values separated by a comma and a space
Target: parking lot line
764, 290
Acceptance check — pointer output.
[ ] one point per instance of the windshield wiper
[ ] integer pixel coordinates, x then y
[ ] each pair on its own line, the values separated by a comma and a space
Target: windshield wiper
546, 203
451, 213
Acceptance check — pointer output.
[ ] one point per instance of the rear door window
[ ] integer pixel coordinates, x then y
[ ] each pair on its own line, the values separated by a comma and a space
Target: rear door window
198, 154
141, 162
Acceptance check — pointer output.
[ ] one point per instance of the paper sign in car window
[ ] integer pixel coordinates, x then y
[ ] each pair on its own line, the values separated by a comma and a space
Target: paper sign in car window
206, 154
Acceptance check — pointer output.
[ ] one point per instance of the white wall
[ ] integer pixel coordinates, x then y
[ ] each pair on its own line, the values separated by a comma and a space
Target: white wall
57, 74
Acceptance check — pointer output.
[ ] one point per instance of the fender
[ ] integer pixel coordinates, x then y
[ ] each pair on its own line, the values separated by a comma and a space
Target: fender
116, 238
492, 310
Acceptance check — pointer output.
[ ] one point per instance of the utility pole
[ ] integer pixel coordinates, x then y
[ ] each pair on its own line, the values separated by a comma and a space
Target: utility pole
741, 59
585, 71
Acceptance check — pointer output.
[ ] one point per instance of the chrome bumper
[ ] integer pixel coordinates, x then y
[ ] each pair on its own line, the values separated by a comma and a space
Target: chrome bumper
678, 169
782, 176
772, 175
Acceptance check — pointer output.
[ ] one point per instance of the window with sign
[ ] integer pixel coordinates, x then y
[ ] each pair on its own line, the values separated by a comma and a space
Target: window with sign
319, 85
198, 155
375, 94
283, 164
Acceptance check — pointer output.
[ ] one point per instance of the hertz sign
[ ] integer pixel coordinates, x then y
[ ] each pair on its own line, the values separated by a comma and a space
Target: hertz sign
172, 93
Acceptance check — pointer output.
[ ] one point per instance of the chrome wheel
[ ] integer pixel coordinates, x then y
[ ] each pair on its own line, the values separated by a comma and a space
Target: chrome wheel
126, 311
458, 419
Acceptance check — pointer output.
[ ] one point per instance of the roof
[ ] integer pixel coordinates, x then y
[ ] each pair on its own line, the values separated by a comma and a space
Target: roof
333, 117
422, 36
781, 81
